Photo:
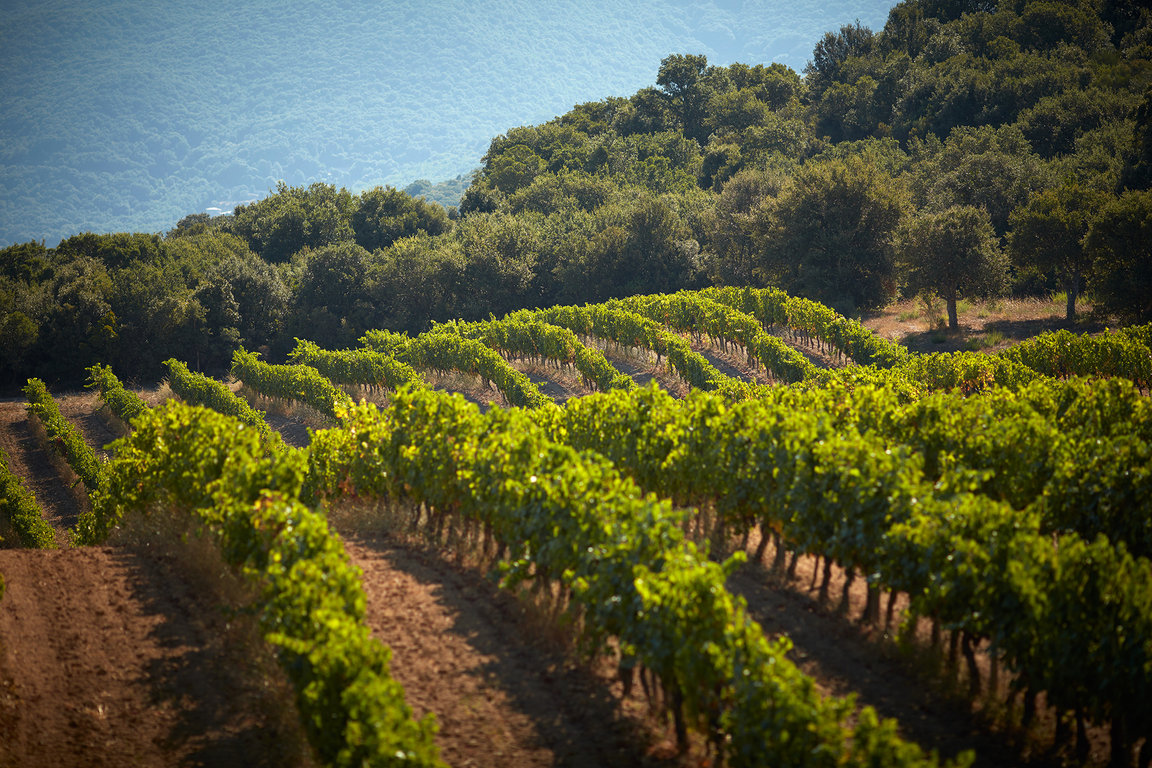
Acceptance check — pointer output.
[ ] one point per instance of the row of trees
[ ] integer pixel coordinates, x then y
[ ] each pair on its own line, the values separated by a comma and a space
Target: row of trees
961, 150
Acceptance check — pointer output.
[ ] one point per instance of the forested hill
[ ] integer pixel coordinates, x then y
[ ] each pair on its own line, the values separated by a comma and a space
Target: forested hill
129, 114
964, 148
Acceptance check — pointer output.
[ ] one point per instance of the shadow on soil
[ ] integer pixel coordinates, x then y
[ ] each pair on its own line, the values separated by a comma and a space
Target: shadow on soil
234, 708
1013, 331
849, 656
574, 710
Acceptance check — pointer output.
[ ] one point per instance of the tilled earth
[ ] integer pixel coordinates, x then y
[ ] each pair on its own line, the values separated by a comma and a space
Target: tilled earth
125, 654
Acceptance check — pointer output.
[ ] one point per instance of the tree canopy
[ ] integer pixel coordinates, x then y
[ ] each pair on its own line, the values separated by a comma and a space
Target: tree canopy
903, 159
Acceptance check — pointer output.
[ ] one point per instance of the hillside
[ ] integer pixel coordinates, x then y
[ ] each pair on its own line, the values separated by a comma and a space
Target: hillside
429, 494
953, 156
123, 117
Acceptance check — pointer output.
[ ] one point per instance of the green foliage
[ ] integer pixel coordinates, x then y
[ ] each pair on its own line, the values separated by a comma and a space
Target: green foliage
443, 349
630, 570
18, 505
729, 175
198, 389
290, 383
988, 168
124, 403
447, 193
812, 320
1120, 242
112, 250
366, 367
629, 329
311, 608
64, 438
998, 503
1049, 233
332, 299
828, 234
521, 336
293, 217
952, 253
1063, 354
384, 215
701, 316
794, 464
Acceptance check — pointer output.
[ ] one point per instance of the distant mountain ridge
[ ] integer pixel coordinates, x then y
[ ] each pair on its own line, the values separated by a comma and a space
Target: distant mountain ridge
130, 115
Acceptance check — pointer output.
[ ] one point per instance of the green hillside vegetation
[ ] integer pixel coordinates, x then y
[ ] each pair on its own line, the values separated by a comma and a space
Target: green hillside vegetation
965, 149
127, 116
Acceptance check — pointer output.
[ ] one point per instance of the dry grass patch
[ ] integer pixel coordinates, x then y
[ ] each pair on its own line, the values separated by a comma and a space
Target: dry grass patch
986, 325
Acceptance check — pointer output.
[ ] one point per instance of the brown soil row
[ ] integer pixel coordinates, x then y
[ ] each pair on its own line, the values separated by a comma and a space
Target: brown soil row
118, 656
28, 460
108, 658
479, 658
139, 669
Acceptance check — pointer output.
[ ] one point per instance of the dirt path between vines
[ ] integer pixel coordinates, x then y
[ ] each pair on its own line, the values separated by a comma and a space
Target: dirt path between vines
503, 696
119, 655
28, 460
112, 656
109, 658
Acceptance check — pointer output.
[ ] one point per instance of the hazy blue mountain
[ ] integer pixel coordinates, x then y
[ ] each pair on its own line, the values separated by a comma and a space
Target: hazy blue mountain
128, 114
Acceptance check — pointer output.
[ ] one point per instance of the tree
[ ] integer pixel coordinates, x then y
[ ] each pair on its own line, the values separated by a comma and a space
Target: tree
638, 243
828, 235
552, 192
732, 225
499, 265
383, 215
80, 328
1120, 242
832, 51
952, 253
218, 321
28, 262
261, 297
647, 111
114, 250
993, 169
332, 304
1137, 173
292, 218
1048, 234
685, 87
412, 283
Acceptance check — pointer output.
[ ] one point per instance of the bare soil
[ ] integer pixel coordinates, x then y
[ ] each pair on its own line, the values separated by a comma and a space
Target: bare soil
559, 384
641, 365
117, 655
107, 657
28, 460
987, 326
505, 694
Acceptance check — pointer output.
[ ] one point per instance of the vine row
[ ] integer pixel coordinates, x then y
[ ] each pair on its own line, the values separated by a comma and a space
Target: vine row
198, 389
1062, 354
442, 350
312, 607
22, 511
566, 515
64, 438
301, 383
691, 312
975, 564
520, 337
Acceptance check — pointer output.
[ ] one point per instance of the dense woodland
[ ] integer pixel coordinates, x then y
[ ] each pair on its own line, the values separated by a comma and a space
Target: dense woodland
120, 116
967, 148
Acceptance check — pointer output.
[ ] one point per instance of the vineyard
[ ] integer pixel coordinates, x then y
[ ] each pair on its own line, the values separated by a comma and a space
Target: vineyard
648, 481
